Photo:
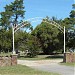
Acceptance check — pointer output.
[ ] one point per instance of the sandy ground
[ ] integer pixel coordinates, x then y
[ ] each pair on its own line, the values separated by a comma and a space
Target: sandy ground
38, 62
49, 66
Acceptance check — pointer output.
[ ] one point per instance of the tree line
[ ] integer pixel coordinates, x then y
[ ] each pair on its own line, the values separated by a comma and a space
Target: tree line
44, 38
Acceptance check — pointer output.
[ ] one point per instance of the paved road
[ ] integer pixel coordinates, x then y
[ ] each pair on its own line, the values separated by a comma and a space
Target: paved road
49, 66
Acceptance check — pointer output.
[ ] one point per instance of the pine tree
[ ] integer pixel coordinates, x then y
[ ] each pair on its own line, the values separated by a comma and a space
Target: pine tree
13, 13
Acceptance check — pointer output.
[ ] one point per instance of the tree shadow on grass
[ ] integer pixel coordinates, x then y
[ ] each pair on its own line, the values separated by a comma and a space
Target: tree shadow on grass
54, 57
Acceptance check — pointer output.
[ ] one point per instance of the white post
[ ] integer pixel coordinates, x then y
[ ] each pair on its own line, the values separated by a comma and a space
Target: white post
64, 39
13, 39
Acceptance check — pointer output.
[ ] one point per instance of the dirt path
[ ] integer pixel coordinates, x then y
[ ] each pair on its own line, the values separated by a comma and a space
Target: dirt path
48, 65
38, 62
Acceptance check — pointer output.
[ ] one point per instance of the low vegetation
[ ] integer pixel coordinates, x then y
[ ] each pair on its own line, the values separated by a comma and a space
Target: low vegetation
68, 64
5, 54
22, 70
42, 57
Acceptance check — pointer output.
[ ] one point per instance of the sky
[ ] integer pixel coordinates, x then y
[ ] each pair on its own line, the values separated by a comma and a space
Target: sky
43, 8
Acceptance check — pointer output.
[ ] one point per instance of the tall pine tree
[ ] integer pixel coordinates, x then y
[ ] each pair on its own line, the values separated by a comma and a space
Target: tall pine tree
13, 13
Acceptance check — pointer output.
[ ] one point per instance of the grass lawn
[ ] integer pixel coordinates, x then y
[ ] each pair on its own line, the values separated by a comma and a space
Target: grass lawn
68, 64
39, 57
42, 57
6, 54
22, 70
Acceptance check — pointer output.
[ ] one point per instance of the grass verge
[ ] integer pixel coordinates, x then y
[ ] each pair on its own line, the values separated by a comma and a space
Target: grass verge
6, 54
22, 70
42, 57
68, 64
38, 57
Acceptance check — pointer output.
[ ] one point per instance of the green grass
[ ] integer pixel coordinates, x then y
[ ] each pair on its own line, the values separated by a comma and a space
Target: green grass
68, 64
42, 57
6, 54
39, 57
22, 70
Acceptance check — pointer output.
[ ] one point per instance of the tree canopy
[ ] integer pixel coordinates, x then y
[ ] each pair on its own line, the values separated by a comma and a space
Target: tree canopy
47, 34
12, 14
45, 37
